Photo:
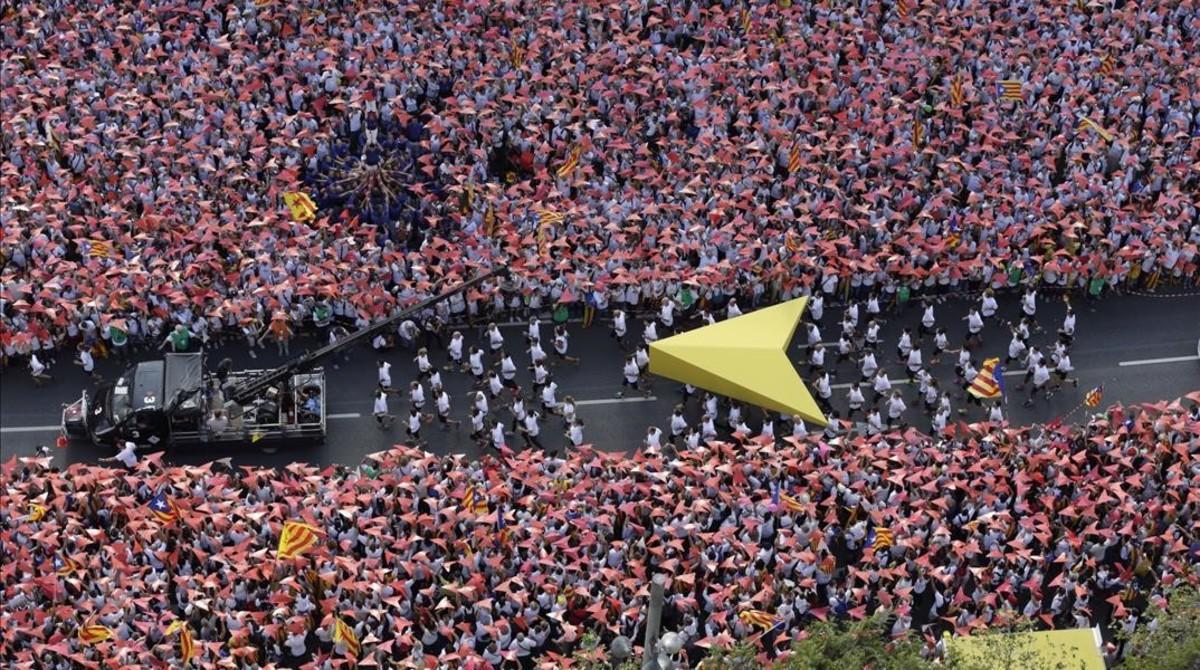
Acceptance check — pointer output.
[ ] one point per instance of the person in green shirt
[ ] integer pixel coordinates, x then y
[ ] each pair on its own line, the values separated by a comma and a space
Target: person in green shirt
119, 339
180, 339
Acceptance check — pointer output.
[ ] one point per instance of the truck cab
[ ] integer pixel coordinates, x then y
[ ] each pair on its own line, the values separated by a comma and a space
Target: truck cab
141, 404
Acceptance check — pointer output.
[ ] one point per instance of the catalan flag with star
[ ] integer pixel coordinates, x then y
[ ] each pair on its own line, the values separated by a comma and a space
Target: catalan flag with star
1010, 89
474, 500
344, 634
64, 566
164, 508
187, 646
986, 384
1094, 397
296, 538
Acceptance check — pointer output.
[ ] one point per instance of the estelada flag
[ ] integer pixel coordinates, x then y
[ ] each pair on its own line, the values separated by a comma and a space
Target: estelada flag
345, 634
296, 538
1010, 89
1094, 397
164, 508
187, 646
94, 634
473, 501
301, 205
985, 385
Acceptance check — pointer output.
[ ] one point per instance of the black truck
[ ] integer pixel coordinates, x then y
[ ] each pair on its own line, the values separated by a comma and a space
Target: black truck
167, 402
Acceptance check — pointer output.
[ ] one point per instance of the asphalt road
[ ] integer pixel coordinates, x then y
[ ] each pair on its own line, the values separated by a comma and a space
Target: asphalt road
1140, 348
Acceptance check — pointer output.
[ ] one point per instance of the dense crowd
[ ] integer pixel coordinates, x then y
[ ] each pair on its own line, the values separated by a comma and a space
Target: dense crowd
612, 151
439, 562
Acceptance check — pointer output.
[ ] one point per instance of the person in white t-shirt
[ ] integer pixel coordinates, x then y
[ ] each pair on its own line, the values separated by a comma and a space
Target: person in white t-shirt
385, 374
127, 456
455, 351
413, 429
679, 424
575, 432
632, 376
383, 418
653, 438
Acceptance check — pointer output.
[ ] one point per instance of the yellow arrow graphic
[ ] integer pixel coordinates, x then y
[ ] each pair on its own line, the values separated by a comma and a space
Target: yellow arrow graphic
744, 358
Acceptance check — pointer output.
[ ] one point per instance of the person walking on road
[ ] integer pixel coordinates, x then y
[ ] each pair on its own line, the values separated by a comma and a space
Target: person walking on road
383, 418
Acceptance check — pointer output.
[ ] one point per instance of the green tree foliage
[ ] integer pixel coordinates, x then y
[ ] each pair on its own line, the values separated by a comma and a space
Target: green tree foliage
1173, 642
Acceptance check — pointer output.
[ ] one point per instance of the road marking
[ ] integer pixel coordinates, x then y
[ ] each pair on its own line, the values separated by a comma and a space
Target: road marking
613, 401
1156, 361
347, 415
31, 429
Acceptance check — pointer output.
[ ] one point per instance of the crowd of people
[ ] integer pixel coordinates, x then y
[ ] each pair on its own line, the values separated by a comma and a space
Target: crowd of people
660, 165
439, 562
621, 151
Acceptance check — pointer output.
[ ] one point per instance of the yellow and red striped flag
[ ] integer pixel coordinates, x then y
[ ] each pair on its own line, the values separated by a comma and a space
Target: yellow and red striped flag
94, 633
759, 618
902, 8
918, 132
489, 220
37, 512
881, 538
343, 633
516, 53
1107, 64
985, 384
957, 96
572, 162
1010, 89
1087, 123
547, 218
100, 248
187, 646
794, 158
1094, 397
790, 504
744, 20
296, 538
300, 205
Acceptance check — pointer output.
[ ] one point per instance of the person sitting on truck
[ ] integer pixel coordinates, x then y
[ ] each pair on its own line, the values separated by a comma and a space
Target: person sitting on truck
218, 422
